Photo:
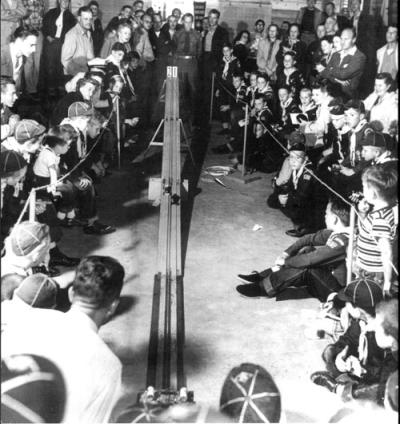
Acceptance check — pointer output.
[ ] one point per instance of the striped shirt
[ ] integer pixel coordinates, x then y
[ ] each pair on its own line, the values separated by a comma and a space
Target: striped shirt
377, 225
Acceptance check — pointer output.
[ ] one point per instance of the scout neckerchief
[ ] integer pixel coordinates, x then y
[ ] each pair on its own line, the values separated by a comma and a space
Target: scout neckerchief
353, 141
226, 66
296, 174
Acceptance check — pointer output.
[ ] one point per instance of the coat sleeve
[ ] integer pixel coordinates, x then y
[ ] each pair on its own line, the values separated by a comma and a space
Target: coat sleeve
13, 15
67, 53
355, 66
317, 239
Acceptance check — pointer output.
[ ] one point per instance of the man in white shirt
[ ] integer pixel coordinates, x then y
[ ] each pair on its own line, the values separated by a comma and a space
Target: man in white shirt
92, 372
77, 49
12, 11
387, 56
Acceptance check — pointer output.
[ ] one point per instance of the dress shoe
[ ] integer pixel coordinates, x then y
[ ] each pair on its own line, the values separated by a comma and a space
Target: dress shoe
324, 379
221, 150
251, 290
97, 228
254, 277
61, 259
300, 232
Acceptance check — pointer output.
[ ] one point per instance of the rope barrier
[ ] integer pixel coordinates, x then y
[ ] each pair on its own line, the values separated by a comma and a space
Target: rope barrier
311, 173
32, 193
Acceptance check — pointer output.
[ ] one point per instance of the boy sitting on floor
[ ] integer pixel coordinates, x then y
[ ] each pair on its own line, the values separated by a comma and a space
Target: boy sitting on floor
295, 198
26, 247
354, 362
316, 261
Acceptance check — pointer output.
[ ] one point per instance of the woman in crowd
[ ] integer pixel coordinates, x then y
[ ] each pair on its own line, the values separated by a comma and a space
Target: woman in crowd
295, 45
241, 48
267, 52
381, 104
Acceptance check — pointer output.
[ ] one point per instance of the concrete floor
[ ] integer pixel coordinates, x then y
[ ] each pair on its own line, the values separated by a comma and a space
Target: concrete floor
223, 329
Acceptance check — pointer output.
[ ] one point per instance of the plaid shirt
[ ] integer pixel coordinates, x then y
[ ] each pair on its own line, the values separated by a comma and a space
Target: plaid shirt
36, 13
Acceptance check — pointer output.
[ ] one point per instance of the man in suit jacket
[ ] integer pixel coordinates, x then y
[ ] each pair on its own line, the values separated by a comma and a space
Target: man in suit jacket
12, 11
347, 66
369, 33
14, 54
56, 23
212, 43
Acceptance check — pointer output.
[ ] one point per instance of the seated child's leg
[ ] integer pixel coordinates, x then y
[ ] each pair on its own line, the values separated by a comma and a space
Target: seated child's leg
280, 280
86, 200
322, 283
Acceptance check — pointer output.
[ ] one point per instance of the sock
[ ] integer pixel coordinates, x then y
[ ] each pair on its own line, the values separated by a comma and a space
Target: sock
91, 221
71, 214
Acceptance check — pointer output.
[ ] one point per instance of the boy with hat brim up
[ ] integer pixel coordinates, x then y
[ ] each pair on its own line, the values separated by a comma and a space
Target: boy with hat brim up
375, 148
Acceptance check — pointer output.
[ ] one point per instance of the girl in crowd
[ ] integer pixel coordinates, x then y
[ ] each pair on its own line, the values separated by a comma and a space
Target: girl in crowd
293, 44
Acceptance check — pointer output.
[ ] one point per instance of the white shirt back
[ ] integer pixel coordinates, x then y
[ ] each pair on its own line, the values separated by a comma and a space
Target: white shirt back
91, 371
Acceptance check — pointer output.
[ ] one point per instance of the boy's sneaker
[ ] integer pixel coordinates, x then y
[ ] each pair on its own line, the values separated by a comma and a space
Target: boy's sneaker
251, 290
254, 277
324, 379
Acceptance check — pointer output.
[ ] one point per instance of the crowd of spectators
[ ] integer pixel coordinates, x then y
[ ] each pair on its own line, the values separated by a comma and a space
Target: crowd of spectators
319, 99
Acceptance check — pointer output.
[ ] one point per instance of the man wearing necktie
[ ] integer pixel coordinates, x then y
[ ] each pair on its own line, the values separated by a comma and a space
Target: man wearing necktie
188, 50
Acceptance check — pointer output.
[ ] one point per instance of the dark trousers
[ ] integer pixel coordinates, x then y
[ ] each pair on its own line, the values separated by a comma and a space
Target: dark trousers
319, 281
301, 213
188, 83
51, 74
207, 69
86, 201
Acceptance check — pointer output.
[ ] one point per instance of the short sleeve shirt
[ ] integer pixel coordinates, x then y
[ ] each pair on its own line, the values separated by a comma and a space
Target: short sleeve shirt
47, 159
377, 225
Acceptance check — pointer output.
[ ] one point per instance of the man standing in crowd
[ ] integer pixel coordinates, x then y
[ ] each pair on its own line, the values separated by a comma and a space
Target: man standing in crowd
34, 20
56, 23
14, 55
369, 38
213, 41
346, 67
12, 11
388, 55
97, 28
308, 18
330, 12
188, 50
77, 49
